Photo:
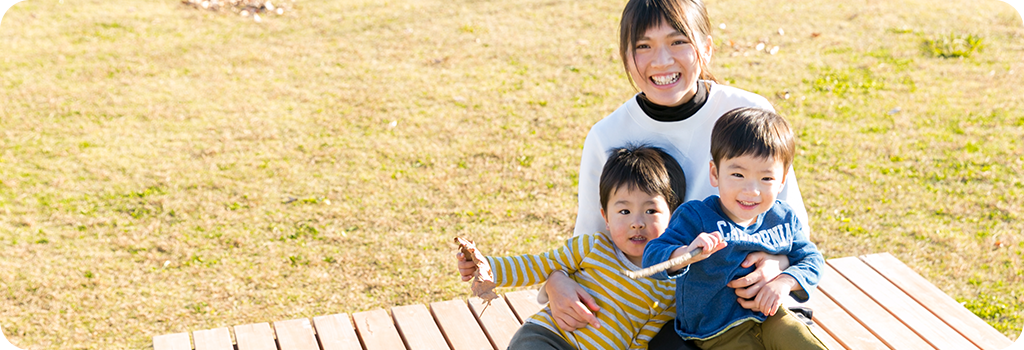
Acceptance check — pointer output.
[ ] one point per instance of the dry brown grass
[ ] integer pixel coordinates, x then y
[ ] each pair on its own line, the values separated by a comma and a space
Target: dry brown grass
165, 169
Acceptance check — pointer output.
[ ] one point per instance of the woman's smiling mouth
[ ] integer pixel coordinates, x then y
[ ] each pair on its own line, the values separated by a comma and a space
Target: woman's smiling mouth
665, 79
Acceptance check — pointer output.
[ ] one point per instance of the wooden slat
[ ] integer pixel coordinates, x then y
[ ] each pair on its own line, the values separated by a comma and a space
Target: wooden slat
876, 319
941, 305
295, 335
377, 330
912, 314
840, 325
459, 326
498, 321
523, 303
176, 341
256, 336
417, 327
213, 339
336, 332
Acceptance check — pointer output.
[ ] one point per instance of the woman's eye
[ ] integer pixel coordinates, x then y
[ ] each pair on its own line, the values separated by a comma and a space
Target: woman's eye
642, 46
767, 179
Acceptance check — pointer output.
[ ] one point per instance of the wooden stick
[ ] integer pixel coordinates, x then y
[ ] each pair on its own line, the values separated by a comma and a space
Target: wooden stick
679, 260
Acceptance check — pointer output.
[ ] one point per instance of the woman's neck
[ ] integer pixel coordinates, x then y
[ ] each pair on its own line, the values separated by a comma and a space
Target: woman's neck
675, 113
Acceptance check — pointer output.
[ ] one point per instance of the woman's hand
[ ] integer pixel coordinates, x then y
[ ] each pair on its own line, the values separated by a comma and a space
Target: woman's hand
571, 306
747, 287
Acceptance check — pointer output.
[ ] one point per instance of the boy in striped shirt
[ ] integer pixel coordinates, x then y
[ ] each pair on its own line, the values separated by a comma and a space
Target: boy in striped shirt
640, 186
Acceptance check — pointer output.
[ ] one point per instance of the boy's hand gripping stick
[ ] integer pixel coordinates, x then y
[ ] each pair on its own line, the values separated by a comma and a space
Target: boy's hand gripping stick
679, 260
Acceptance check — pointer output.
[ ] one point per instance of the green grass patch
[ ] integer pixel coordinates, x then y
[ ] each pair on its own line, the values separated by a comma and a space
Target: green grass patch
841, 82
954, 45
1000, 312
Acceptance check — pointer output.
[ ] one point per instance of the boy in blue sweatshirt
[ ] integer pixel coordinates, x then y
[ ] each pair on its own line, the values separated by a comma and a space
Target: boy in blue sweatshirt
751, 151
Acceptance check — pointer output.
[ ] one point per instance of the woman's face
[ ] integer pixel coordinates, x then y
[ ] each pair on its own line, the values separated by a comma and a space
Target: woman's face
664, 65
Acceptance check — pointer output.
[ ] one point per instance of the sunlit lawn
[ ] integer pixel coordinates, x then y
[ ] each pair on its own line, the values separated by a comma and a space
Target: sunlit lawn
166, 169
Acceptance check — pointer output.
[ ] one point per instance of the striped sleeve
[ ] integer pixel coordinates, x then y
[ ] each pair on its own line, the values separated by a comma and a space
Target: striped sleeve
528, 269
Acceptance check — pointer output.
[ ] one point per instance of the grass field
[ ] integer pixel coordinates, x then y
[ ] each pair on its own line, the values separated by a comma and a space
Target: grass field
164, 168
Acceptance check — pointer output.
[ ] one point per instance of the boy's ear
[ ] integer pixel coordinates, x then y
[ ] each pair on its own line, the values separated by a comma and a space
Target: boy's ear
605, 217
714, 174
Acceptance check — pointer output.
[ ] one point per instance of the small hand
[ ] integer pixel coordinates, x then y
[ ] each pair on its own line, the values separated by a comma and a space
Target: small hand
710, 242
466, 268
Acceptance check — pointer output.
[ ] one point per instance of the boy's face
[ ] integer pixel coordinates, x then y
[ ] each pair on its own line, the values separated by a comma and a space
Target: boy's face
748, 186
633, 218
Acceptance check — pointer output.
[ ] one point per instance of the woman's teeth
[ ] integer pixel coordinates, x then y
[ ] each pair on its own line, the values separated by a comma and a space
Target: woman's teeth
665, 79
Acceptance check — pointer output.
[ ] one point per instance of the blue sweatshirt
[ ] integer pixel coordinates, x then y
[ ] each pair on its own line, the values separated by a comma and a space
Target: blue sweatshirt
705, 307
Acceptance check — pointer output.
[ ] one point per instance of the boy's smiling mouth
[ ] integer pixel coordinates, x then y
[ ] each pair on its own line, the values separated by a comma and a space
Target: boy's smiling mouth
665, 79
746, 204
638, 239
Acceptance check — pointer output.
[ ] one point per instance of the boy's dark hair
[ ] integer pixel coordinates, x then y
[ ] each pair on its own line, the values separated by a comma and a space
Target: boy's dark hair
752, 131
689, 17
643, 167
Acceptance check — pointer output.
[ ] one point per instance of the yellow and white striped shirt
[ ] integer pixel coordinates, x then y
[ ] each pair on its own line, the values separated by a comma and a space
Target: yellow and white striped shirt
632, 311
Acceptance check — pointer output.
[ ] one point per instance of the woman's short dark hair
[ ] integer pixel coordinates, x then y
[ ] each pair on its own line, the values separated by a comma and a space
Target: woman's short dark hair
646, 168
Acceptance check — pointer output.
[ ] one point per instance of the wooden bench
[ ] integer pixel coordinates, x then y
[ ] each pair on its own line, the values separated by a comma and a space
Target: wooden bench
867, 302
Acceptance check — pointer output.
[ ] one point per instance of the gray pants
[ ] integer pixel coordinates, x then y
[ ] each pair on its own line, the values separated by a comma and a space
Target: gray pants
531, 336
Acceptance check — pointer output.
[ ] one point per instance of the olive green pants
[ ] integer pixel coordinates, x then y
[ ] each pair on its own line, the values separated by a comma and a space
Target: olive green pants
780, 331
